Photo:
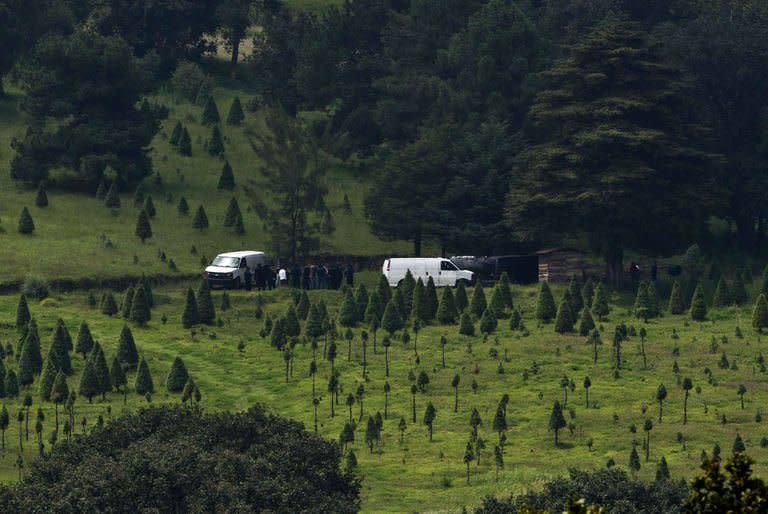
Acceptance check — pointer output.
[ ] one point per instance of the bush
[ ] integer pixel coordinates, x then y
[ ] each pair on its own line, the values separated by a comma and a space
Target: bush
188, 79
35, 287
26, 225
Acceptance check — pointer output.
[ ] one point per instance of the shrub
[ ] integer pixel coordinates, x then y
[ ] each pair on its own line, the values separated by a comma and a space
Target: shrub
112, 199
41, 200
188, 79
698, 305
185, 143
210, 112
35, 287
26, 224
236, 115
676, 302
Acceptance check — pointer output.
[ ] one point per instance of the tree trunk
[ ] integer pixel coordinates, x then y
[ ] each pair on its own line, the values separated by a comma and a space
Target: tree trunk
235, 55
456, 399
386, 404
660, 409
587, 397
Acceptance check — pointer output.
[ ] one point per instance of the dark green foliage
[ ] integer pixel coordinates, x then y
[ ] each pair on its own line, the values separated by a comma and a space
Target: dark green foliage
375, 308
764, 283
183, 207
125, 307
227, 178
101, 369
391, 321
722, 297
176, 134
239, 225
587, 293
11, 384
140, 311
22, 313
600, 306
738, 290
149, 206
26, 225
738, 445
642, 307
462, 302
117, 374
419, 303
565, 319
215, 144
185, 143
497, 303
108, 304
47, 378
587, 324
112, 199
235, 116
361, 299
654, 304
278, 335
574, 288
676, 302
177, 376
302, 308
447, 313
662, 471
430, 298
479, 304
31, 348
736, 490
200, 221
292, 326
466, 326
41, 200
127, 353
206, 311
138, 196
506, 290
59, 350
143, 228
515, 320
698, 305
147, 285
84, 339
545, 304
210, 112
385, 292
488, 321
60, 389
313, 328
760, 313
634, 460
90, 384
101, 190
143, 383
400, 305
406, 288
348, 314
557, 420
233, 211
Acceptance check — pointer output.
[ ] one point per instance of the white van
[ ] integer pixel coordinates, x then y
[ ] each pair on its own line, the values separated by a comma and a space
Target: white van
442, 271
228, 269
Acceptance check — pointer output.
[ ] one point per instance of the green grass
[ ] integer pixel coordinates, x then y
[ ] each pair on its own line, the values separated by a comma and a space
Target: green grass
419, 475
312, 5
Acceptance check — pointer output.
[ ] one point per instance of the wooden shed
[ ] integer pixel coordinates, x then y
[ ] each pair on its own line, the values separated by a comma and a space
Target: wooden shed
559, 264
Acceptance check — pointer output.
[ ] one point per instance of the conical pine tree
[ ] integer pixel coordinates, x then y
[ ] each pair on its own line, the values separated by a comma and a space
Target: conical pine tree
391, 321
676, 302
183, 207
600, 306
102, 370
479, 304
233, 211
466, 326
143, 228
140, 311
22, 312
200, 220
292, 325
302, 308
447, 313
59, 351
348, 312
574, 288
236, 115
125, 308
177, 376
143, 383
89, 380
176, 134
41, 200
227, 178
26, 225
430, 297
361, 299
545, 305
738, 290
587, 324
565, 319
216, 142
406, 287
84, 340
722, 297
642, 307
108, 304
488, 321
505, 289
185, 143
462, 301
760, 313
47, 378
210, 112
375, 308
31, 346
149, 206
112, 199
698, 305
191, 316
419, 305
127, 353
117, 375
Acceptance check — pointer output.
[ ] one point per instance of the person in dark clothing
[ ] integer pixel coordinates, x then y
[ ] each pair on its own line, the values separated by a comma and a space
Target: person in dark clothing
654, 271
295, 276
349, 275
259, 277
270, 276
305, 277
322, 275
247, 276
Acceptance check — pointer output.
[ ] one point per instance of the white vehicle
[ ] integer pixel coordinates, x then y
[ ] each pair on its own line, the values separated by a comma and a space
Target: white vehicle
228, 269
443, 271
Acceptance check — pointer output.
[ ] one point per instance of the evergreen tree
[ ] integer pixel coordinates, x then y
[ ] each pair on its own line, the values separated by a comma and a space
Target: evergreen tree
738, 445
313, 328
375, 308
22, 312
764, 283
59, 351
302, 308
26, 225
430, 298
419, 307
191, 316
146, 283
41, 200
47, 378
215, 143
31, 347
177, 376
574, 288
662, 471
738, 290
112, 199
143, 383
676, 302
206, 311
760, 313
210, 112
406, 287
140, 312
226, 179
117, 376
545, 305
722, 297
399, 301
101, 190
143, 228
634, 461
642, 303
84, 340
654, 305
587, 324
235, 116
488, 321
176, 134
587, 292
557, 420
59, 393
348, 311
515, 320
361, 299
239, 225
292, 326
183, 207
600, 302
149, 207
698, 305
497, 303
391, 320
127, 353
446, 313
125, 308
90, 385
185, 143
429, 418
102, 370
108, 304
506, 290
479, 304
469, 456
2, 378
565, 319
385, 292
138, 196
200, 220
278, 335
466, 327
462, 302
4, 422
11, 384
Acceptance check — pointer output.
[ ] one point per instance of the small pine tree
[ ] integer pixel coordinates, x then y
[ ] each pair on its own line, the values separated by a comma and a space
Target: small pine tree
497, 303
302, 308
565, 319
26, 224
227, 178
292, 326
505, 290
545, 305
446, 313
200, 220
47, 378
143, 384
515, 320
176, 134
117, 374
89, 380
112, 199
348, 312
760, 313
149, 206
419, 306
642, 307
557, 420
738, 445
108, 304
488, 321
676, 302
587, 324
102, 370
22, 313
127, 353
41, 200
313, 328
125, 307
191, 316
430, 299
466, 327
375, 308
215, 143
722, 297
574, 288
140, 312
31, 349
233, 211
143, 228
185, 143
278, 336
235, 116
479, 304
462, 302
101, 190
210, 112
177, 376
11, 384
634, 461
587, 292
600, 302
698, 305
361, 299
391, 321
239, 225
183, 207
662, 471
406, 289
84, 340
59, 350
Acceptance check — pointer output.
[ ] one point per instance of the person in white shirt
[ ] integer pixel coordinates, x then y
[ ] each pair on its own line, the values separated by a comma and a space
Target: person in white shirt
282, 276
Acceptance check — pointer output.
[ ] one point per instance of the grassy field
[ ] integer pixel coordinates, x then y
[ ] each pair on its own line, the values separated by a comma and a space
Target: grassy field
423, 476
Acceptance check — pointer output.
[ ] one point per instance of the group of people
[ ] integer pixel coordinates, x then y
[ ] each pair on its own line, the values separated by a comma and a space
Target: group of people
311, 276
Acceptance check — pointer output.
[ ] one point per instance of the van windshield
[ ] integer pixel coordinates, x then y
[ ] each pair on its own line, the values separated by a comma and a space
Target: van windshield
226, 262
